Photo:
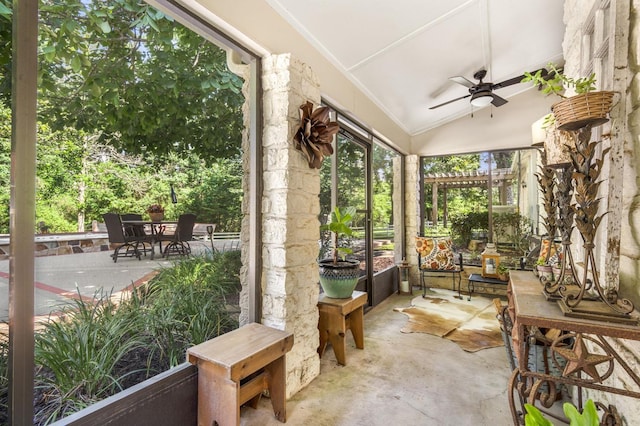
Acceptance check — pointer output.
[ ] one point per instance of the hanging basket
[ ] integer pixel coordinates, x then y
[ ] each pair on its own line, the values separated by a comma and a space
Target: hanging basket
580, 110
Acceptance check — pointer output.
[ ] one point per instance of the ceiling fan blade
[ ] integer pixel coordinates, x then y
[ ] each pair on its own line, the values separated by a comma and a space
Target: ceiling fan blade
515, 80
448, 102
461, 80
497, 100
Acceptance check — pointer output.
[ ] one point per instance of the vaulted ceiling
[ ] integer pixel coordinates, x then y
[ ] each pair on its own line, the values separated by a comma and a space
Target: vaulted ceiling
402, 53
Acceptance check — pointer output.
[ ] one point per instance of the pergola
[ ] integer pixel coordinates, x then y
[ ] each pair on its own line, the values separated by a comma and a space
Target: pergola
500, 178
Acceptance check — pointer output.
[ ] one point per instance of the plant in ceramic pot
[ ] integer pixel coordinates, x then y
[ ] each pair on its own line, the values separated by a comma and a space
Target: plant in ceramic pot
156, 212
587, 107
503, 272
339, 275
545, 271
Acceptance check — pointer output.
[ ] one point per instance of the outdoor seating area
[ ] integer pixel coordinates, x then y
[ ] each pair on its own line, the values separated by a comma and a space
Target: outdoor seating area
231, 208
130, 236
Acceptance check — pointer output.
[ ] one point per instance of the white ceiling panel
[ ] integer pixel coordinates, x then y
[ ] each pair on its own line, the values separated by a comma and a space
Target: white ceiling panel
402, 53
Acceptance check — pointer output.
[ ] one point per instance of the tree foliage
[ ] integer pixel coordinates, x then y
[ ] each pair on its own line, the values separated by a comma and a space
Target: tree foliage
459, 201
130, 104
126, 71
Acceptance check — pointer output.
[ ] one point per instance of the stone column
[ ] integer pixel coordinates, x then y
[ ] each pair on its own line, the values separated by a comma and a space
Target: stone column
411, 213
290, 209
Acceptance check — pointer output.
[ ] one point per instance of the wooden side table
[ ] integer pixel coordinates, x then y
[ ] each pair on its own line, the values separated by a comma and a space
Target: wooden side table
236, 367
336, 317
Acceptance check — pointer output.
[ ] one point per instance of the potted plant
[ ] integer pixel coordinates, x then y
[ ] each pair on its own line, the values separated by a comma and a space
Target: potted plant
339, 275
587, 107
156, 212
545, 272
588, 417
503, 272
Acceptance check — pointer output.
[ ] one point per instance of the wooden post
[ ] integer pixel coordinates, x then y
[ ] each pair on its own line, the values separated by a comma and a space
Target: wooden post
434, 203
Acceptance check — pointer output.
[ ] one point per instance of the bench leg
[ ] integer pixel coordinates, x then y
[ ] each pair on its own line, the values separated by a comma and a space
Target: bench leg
277, 387
356, 324
332, 328
218, 399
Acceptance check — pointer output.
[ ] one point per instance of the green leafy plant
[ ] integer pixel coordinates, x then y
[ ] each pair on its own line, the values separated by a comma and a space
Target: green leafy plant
78, 354
186, 304
463, 226
98, 347
541, 262
554, 81
588, 417
340, 226
512, 228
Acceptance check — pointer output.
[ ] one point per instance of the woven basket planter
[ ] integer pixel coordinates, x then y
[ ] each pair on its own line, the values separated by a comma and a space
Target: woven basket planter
156, 217
580, 110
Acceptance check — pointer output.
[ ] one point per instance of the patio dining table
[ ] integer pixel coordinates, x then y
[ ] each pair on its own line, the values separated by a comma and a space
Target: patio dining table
157, 229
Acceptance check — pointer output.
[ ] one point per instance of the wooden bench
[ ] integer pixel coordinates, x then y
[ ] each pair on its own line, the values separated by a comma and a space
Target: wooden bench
235, 368
336, 317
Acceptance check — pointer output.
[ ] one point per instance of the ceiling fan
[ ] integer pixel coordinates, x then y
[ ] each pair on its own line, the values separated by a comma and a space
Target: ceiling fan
481, 93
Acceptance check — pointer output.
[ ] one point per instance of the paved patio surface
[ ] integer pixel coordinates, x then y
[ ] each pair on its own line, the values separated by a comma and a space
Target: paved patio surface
60, 279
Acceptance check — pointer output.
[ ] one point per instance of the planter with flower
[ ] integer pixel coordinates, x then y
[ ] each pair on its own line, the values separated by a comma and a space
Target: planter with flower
503, 272
545, 270
587, 107
156, 212
339, 275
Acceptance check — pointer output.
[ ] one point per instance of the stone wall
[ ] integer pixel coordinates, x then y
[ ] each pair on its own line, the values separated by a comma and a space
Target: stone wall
619, 236
60, 244
411, 213
290, 209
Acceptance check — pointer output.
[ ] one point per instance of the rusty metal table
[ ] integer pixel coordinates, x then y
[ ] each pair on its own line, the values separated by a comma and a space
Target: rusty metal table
587, 365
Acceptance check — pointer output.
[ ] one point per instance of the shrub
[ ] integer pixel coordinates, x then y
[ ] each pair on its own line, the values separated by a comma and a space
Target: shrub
97, 348
77, 354
463, 225
187, 304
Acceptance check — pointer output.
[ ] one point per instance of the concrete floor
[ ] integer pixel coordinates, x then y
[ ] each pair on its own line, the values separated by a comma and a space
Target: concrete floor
399, 379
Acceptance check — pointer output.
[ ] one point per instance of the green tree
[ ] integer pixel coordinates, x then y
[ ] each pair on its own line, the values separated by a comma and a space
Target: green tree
125, 71
459, 201
130, 103
218, 196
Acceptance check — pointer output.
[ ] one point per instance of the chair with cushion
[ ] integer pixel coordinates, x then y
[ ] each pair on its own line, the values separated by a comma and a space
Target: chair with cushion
137, 232
179, 241
435, 255
126, 246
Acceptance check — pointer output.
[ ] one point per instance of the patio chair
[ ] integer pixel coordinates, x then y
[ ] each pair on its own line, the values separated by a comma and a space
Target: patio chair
435, 255
179, 241
137, 232
117, 236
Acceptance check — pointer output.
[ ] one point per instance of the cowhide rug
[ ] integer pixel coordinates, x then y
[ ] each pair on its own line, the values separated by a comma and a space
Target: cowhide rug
471, 324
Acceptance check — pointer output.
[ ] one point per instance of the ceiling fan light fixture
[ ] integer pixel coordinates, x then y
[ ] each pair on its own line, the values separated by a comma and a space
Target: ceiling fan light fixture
481, 99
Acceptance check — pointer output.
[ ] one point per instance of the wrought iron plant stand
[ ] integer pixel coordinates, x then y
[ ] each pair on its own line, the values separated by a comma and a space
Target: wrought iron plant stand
586, 313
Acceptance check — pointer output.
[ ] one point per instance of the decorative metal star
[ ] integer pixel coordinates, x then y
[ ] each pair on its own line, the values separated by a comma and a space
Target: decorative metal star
579, 359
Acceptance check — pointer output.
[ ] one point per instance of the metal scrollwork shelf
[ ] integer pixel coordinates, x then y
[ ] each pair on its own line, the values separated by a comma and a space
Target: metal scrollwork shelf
581, 353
